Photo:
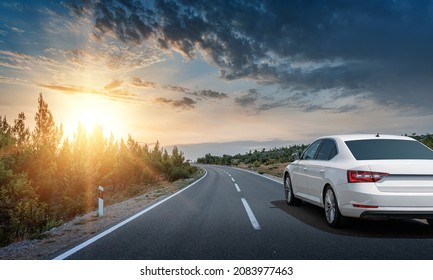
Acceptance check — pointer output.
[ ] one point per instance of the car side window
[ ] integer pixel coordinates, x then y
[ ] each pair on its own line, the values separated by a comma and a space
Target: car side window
327, 150
310, 152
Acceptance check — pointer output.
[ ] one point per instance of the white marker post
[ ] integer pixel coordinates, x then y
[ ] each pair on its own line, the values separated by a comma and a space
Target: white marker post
101, 202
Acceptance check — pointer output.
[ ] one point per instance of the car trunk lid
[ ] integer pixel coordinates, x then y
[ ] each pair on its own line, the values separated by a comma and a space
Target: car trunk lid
409, 176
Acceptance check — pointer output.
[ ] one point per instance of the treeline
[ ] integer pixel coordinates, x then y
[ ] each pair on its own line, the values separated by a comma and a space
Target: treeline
426, 139
255, 158
46, 179
278, 155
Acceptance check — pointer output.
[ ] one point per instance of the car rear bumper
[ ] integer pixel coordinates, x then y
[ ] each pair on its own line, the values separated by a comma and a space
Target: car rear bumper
366, 201
379, 215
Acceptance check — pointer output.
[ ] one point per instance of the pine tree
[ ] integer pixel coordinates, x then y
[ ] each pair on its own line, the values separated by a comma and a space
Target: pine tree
6, 138
177, 157
46, 139
45, 135
20, 131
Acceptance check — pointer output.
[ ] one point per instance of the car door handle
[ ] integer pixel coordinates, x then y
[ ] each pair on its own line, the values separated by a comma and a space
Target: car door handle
305, 168
322, 171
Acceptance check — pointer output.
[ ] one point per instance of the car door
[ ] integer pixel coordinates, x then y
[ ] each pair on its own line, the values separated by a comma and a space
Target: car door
318, 168
300, 179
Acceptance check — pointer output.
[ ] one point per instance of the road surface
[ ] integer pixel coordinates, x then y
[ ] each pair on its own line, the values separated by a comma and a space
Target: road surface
234, 214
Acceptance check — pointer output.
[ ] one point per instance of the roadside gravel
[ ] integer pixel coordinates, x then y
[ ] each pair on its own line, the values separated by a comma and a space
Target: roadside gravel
84, 227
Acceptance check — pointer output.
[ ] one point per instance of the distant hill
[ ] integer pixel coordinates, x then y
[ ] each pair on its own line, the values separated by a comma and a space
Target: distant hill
278, 155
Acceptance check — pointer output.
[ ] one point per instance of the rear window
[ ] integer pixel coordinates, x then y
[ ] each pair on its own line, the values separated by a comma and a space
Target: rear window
376, 149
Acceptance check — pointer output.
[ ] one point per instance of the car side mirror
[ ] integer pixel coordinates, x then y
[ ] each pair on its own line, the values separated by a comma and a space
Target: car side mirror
296, 156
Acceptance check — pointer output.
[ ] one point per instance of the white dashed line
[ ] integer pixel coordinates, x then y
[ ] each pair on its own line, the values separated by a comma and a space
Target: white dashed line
233, 179
250, 214
237, 188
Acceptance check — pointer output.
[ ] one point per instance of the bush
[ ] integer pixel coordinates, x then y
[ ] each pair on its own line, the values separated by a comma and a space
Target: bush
181, 172
21, 213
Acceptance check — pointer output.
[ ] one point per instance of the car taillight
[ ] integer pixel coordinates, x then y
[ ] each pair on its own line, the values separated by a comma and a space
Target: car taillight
354, 176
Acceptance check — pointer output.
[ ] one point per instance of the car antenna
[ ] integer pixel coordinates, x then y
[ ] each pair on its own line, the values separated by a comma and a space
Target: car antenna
377, 135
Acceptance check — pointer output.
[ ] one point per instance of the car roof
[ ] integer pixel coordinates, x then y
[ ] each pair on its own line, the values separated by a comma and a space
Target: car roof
350, 137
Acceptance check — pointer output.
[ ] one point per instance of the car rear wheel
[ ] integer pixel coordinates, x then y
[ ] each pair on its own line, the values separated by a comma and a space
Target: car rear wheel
332, 213
288, 191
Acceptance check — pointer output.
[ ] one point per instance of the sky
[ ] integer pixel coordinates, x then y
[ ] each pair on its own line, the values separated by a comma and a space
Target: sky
221, 76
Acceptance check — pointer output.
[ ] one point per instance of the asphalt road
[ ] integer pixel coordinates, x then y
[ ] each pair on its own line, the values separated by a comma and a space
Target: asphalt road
236, 215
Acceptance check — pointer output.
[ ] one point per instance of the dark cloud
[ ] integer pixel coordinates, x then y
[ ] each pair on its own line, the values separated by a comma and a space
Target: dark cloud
185, 103
247, 99
382, 48
257, 101
202, 93
175, 88
208, 93
131, 21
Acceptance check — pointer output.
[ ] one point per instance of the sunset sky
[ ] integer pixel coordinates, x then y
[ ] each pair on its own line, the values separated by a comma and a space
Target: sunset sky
252, 73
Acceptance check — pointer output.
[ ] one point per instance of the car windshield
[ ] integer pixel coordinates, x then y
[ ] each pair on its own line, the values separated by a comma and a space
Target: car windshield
377, 149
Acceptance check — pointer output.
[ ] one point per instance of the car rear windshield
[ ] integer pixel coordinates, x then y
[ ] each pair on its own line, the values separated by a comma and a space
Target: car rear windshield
377, 149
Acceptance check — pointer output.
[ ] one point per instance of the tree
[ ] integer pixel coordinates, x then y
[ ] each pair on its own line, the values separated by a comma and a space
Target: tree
21, 212
6, 138
156, 158
45, 135
20, 131
46, 139
177, 157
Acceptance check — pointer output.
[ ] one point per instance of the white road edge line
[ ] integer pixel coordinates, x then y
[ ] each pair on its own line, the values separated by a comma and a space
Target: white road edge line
237, 187
250, 214
104, 233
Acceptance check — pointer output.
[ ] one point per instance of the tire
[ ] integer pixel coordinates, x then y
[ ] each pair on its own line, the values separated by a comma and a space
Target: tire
430, 222
288, 191
332, 213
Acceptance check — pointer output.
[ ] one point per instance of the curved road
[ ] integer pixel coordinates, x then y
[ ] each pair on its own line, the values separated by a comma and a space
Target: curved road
235, 214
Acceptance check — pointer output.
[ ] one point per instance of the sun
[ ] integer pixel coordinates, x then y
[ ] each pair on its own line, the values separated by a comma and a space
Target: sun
91, 111
89, 119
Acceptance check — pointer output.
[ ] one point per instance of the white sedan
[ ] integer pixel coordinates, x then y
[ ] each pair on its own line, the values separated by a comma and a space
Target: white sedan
364, 176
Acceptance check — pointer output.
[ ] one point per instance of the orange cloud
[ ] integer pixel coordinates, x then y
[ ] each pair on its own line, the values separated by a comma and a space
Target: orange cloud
114, 84
185, 103
110, 90
141, 83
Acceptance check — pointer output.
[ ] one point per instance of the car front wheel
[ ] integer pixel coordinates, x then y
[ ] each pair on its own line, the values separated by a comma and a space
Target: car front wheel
288, 191
332, 213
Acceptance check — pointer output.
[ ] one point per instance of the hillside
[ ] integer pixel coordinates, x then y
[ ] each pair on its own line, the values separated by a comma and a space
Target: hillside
268, 160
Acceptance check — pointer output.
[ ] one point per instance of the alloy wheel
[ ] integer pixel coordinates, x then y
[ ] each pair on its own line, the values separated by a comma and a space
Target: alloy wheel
330, 206
288, 190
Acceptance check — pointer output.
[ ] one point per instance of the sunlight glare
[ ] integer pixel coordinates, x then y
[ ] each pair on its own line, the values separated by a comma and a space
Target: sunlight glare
91, 118
91, 111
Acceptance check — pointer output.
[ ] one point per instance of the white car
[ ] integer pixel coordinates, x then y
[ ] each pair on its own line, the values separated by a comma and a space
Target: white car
364, 176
